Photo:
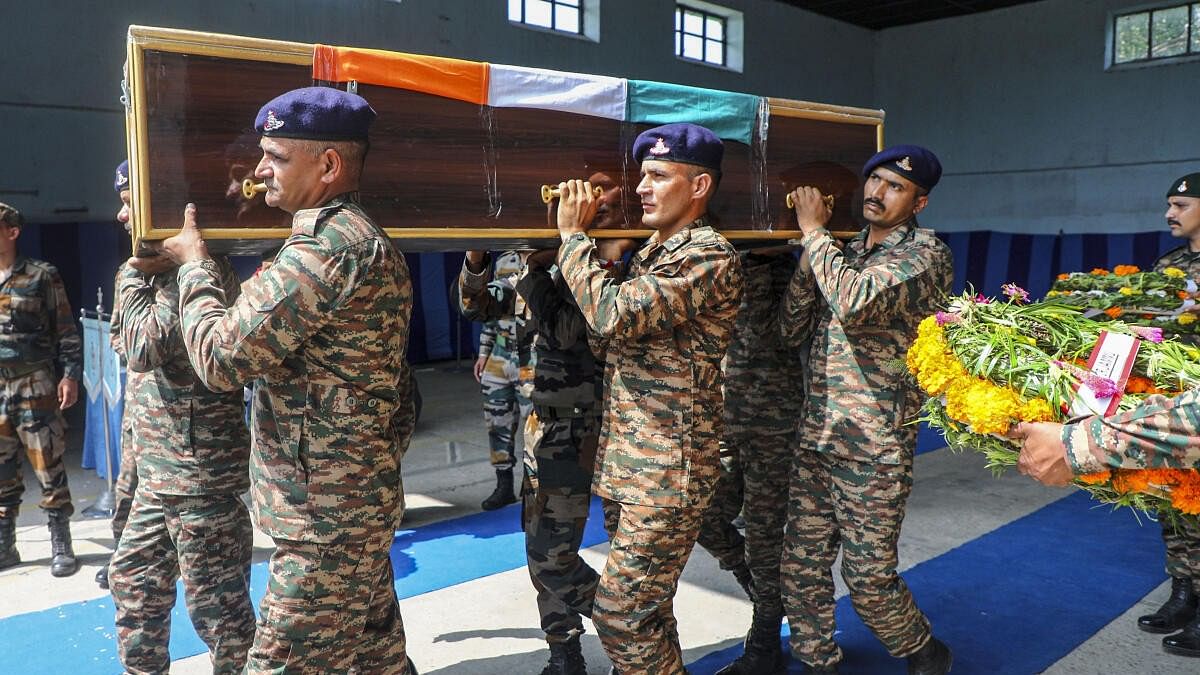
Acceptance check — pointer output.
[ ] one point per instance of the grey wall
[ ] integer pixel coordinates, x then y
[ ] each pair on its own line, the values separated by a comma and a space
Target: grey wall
61, 66
1035, 136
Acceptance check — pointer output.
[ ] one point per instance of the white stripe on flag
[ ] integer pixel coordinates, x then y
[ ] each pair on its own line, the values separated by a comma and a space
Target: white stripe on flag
518, 87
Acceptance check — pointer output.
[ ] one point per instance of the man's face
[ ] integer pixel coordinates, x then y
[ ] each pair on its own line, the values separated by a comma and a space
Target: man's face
609, 214
1183, 217
292, 174
666, 192
890, 199
125, 215
8, 238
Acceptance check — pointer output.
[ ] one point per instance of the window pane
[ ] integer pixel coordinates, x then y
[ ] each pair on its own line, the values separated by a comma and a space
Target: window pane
713, 52
715, 28
566, 19
693, 23
677, 51
678, 18
514, 10
1133, 37
537, 13
1196, 28
693, 47
1170, 32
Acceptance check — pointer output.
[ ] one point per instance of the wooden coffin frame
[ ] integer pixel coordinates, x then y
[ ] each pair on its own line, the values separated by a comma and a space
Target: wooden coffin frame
143, 40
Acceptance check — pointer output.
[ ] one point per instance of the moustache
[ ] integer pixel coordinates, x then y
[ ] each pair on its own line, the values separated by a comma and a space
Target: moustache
1172, 221
876, 202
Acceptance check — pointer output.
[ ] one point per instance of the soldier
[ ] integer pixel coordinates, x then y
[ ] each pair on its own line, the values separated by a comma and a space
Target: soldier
564, 381
324, 329
497, 370
667, 325
764, 391
852, 472
38, 335
127, 478
191, 455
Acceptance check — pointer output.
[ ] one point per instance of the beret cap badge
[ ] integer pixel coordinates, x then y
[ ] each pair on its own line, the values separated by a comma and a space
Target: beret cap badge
122, 179
905, 164
272, 122
660, 148
1183, 187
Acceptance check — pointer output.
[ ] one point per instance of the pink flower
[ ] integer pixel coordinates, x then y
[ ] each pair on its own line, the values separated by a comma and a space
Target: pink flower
1101, 386
944, 318
1148, 333
1015, 293
980, 300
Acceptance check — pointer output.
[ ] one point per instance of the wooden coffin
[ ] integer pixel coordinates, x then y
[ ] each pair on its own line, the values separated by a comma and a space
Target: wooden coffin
460, 149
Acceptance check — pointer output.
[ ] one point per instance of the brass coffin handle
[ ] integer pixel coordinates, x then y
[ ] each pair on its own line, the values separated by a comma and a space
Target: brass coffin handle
250, 188
550, 193
828, 199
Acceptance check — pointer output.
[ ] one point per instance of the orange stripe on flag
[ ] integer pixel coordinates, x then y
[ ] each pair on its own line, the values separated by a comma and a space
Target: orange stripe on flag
440, 76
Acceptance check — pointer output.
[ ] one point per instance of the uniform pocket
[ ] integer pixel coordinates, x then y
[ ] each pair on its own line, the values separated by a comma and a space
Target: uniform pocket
27, 313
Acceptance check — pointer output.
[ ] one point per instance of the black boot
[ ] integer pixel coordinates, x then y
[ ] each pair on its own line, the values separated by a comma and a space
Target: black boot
1186, 642
932, 659
503, 494
742, 574
1175, 612
762, 655
62, 556
102, 576
9, 557
566, 658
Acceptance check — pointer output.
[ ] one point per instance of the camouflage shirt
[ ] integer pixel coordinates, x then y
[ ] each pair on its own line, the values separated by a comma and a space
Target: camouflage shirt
188, 439
1184, 259
1160, 433
667, 326
36, 324
861, 309
556, 361
764, 378
499, 332
324, 330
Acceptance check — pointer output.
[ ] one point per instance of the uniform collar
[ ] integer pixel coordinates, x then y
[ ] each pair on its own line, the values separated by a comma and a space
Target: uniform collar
895, 237
305, 221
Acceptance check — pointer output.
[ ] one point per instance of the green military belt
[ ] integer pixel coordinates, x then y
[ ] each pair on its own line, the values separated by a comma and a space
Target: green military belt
22, 369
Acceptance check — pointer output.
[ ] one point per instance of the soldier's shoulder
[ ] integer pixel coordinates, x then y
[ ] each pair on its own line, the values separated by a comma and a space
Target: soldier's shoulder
927, 240
41, 267
1173, 254
708, 239
344, 225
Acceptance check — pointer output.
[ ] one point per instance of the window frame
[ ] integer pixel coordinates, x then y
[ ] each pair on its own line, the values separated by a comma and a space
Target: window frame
589, 19
732, 34
1189, 53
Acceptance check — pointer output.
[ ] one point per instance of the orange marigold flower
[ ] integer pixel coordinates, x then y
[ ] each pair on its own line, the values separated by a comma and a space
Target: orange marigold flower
1183, 295
1063, 277
1113, 312
1186, 498
1126, 481
1125, 270
1139, 385
1099, 271
1099, 478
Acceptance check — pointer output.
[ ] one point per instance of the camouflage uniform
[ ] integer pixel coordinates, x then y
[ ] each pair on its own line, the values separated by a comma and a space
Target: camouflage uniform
126, 483
187, 519
668, 326
37, 336
504, 403
853, 468
1158, 434
324, 330
563, 381
1183, 538
764, 390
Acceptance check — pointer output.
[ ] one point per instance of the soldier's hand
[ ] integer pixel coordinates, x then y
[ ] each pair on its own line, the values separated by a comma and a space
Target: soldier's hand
68, 393
151, 260
811, 212
540, 260
615, 249
189, 244
475, 261
1043, 455
478, 369
576, 207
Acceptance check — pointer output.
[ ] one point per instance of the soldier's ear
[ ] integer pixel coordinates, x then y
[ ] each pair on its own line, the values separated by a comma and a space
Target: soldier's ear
333, 167
920, 204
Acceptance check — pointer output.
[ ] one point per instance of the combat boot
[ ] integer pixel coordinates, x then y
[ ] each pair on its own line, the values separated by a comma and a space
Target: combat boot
1186, 642
62, 556
742, 574
762, 655
503, 494
9, 557
1175, 612
932, 659
566, 658
102, 576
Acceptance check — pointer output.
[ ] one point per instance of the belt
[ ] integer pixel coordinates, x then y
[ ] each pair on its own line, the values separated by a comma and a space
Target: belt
561, 412
22, 369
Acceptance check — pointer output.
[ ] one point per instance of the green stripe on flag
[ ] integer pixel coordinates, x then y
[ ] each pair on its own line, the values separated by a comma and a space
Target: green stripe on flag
730, 116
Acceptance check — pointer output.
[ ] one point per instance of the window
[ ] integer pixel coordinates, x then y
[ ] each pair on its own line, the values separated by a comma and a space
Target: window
565, 16
1166, 32
709, 34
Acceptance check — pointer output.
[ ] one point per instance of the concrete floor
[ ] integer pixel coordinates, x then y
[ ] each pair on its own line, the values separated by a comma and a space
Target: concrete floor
490, 625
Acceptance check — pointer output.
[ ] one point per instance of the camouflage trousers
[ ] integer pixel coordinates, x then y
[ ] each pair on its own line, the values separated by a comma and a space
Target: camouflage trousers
126, 485
207, 541
763, 458
717, 534
503, 408
634, 612
1183, 550
31, 422
330, 608
858, 506
555, 500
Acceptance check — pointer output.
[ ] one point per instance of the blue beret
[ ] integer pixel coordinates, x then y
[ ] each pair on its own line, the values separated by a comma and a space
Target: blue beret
681, 142
911, 161
317, 113
1186, 186
121, 181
